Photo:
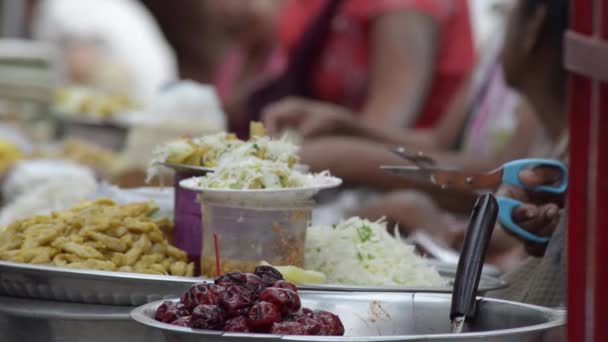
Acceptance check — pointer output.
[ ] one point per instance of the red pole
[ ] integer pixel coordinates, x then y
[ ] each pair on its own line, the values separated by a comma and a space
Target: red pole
601, 196
580, 109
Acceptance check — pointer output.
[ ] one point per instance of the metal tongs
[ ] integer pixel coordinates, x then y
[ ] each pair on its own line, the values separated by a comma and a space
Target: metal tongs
470, 263
426, 169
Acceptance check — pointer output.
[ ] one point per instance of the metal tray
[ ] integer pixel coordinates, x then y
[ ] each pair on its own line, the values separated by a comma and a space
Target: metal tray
394, 317
132, 289
88, 286
486, 283
31, 320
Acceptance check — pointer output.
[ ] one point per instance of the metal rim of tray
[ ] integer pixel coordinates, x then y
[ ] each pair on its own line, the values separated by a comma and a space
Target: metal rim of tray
139, 315
47, 309
121, 288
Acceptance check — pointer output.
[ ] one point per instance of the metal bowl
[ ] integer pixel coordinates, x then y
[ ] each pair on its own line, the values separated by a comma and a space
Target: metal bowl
394, 317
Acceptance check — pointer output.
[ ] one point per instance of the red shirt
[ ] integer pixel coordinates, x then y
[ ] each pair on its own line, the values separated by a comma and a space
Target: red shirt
342, 75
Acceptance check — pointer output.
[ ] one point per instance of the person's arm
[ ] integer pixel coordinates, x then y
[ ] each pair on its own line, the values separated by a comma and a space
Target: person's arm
404, 47
313, 119
441, 138
358, 162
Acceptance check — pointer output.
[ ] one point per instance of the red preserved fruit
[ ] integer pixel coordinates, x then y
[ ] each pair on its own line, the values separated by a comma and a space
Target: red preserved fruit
234, 299
262, 315
183, 321
312, 326
200, 294
330, 323
245, 302
286, 300
269, 274
168, 312
238, 324
232, 278
282, 284
207, 317
288, 328
306, 312
254, 283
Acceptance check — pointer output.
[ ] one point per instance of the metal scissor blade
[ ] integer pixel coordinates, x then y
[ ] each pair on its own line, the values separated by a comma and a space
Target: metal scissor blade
412, 172
454, 179
418, 158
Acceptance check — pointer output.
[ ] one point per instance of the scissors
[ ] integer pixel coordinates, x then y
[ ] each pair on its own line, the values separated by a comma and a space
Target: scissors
426, 169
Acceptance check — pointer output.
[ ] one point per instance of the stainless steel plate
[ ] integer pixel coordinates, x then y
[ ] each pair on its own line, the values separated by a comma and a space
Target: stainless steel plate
132, 289
394, 317
88, 286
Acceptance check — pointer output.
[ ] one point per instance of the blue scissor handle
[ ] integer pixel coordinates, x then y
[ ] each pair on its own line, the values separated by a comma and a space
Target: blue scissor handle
505, 209
511, 170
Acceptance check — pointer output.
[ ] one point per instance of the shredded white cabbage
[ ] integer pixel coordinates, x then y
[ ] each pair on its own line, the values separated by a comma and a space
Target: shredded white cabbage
255, 173
264, 148
211, 150
361, 252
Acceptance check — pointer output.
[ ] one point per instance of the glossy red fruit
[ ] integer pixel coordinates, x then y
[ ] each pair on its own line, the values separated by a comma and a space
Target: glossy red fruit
282, 284
208, 317
183, 321
312, 326
262, 315
330, 323
202, 294
254, 283
306, 312
234, 299
232, 278
286, 300
168, 312
288, 328
238, 324
269, 274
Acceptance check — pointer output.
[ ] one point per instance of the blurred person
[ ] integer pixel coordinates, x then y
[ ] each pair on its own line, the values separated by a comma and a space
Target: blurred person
393, 62
114, 43
532, 59
253, 58
194, 33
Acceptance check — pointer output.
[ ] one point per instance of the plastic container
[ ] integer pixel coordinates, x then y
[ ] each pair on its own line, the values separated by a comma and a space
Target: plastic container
187, 234
251, 233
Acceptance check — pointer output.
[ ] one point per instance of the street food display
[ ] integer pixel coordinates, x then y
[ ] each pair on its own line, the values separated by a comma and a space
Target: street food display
259, 302
99, 235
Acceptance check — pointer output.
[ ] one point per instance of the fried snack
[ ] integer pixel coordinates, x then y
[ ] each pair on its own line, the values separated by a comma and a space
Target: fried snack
100, 235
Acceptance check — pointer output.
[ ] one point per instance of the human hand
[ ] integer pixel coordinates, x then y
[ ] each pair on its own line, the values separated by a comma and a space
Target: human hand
309, 118
541, 211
